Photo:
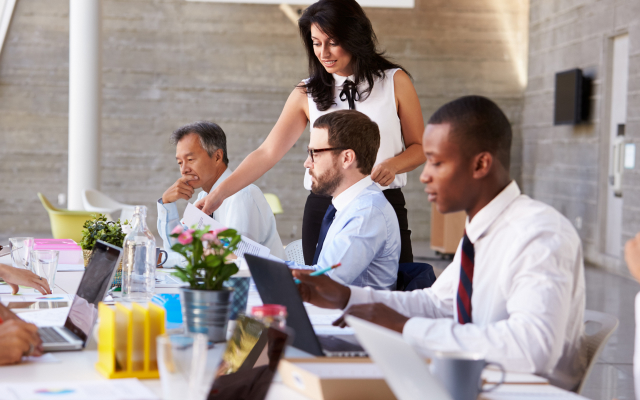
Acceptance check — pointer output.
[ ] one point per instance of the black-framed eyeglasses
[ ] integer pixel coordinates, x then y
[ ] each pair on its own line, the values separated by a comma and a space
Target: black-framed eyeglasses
312, 152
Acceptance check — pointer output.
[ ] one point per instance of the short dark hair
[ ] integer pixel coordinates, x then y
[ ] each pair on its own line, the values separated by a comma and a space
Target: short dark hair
351, 129
212, 137
478, 125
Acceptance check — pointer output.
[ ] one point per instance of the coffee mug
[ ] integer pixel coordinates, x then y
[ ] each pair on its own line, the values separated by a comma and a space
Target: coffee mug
460, 373
159, 253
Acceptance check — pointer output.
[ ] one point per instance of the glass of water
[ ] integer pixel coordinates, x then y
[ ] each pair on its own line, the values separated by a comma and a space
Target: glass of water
44, 263
20, 248
182, 363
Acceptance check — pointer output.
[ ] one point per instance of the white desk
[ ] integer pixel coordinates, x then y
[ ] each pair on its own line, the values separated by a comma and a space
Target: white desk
79, 365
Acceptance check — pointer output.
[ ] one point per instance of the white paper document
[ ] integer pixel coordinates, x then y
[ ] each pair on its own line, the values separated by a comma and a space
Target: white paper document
46, 358
117, 389
70, 267
53, 317
529, 392
193, 216
343, 370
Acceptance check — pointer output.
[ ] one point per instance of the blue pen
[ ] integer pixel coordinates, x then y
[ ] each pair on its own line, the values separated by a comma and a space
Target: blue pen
320, 272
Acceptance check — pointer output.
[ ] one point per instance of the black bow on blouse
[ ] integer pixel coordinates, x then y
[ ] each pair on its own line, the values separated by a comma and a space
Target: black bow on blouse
350, 93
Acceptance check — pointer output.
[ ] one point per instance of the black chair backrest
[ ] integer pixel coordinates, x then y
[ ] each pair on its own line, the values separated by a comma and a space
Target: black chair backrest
412, 276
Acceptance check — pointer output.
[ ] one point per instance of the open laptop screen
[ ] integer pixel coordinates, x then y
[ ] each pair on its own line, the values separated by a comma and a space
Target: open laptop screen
94, 284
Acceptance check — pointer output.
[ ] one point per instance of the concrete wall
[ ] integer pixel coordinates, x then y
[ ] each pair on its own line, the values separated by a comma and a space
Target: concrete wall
167, 63
567, 166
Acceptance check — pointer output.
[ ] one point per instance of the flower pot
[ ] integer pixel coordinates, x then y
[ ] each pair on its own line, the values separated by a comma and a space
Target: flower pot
207, 311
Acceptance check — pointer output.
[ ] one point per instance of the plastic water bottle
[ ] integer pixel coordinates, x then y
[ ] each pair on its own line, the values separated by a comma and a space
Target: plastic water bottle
139, 260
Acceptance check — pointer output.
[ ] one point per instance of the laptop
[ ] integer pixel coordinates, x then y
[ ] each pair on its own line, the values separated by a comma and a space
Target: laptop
406, 373
275, 284
249, 362
84, 309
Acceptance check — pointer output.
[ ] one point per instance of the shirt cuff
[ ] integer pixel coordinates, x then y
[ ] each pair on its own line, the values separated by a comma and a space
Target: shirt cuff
168, 211
358, 296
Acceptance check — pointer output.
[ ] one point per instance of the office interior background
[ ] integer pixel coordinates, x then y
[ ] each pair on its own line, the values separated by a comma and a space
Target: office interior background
166, 63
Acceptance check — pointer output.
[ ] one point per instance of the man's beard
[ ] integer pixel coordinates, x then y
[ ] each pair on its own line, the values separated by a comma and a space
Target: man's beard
327, 183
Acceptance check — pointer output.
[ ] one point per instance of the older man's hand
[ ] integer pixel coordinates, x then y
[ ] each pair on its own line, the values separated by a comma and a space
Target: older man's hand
179, 190
632, 256
377, 313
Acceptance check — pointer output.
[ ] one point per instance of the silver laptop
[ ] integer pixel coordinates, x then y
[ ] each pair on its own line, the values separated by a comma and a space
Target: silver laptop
406, 373
83, 313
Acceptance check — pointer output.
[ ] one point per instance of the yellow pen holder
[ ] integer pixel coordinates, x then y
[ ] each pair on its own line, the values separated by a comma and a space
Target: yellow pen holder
127, 340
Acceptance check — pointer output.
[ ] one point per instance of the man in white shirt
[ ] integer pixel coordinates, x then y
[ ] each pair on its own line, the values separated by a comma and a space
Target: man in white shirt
360, 229
201, 153
515, 290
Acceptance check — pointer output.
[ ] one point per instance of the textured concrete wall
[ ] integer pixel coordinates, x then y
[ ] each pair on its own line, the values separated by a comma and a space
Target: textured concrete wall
567, 166
171, 62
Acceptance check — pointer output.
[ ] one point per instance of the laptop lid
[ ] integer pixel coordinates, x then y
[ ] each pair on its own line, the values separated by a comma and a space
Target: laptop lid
276, 286
250, 361
93, 286
405, 371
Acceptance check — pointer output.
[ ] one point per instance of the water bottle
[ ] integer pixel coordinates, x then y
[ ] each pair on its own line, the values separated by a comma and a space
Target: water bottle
139, 260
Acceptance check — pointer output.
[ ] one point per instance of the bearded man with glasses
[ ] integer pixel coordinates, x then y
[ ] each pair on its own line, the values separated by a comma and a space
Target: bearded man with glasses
360, 229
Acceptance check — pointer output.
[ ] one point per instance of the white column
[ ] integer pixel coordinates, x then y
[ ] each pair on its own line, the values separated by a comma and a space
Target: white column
85, 98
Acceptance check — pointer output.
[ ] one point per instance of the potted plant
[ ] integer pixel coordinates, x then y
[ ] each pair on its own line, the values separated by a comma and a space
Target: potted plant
111, 232
205, 301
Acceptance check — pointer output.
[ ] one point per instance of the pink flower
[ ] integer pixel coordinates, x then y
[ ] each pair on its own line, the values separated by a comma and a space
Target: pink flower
215, 232
209, 237
177, 230
190, 231
185, 238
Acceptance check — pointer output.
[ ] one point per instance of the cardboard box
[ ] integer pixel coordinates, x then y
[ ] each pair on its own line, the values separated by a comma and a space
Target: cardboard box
446, 230
343, 379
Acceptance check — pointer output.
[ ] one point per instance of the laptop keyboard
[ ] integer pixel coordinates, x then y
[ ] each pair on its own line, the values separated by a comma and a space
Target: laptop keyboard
50, 335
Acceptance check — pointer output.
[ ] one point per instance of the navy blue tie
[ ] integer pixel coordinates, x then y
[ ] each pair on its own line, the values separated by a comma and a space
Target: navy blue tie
324, 228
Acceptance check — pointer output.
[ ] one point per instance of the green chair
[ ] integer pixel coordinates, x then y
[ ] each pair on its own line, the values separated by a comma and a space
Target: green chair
65, 224
274, 203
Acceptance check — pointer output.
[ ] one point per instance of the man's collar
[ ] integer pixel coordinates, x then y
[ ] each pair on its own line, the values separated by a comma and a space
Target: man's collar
227, 172
343, 199
489, 213
339, 79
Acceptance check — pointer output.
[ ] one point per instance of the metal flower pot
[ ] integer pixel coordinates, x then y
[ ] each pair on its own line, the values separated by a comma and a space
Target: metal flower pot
207, 311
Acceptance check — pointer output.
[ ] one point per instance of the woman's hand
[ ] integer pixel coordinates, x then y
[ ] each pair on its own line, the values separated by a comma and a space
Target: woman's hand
17, 276
17, 339
210, 202
384, 173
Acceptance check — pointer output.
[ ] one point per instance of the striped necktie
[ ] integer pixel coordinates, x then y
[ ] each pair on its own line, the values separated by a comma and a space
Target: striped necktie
465, 287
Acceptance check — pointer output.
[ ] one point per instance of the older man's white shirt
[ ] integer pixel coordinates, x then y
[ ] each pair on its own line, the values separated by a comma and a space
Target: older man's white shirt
528, 293
247, 211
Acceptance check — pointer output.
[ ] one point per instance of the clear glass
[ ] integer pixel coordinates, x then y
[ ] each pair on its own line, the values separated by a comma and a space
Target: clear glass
20, 248
139, 260
185, 373
44, 263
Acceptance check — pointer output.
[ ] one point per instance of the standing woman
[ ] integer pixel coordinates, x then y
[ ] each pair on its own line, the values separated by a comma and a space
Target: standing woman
346, 71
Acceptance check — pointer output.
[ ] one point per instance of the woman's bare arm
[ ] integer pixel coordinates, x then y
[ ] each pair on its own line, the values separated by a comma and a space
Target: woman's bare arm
283, 136
412, 124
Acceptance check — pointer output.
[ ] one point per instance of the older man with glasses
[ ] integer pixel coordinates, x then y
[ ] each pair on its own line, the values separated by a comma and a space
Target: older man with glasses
360, 229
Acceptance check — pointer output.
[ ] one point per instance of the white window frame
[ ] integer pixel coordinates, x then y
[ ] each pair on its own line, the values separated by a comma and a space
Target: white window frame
363, 3
6, 12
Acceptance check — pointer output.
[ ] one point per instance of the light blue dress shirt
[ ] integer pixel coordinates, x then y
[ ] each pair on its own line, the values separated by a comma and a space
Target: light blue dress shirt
247, 211
364, 237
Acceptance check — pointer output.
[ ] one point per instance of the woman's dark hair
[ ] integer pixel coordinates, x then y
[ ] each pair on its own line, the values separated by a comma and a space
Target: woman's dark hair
345, 22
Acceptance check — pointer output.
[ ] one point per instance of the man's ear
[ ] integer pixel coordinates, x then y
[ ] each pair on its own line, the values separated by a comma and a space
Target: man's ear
218, 155
348, 159
482, 163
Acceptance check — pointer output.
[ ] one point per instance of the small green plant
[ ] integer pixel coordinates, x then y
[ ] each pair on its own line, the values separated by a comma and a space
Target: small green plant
206, 253
99, 228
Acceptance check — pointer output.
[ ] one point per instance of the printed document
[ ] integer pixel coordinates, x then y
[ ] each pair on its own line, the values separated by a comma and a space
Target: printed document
193, 216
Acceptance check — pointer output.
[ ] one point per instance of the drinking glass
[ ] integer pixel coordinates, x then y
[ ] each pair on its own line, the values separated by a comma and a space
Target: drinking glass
182, 363
44, 263
20, 248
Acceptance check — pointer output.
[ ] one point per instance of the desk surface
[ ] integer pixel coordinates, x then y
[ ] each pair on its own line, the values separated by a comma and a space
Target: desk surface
79, 365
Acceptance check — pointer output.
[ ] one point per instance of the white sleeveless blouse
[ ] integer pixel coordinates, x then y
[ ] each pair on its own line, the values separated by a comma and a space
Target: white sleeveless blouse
380, 106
